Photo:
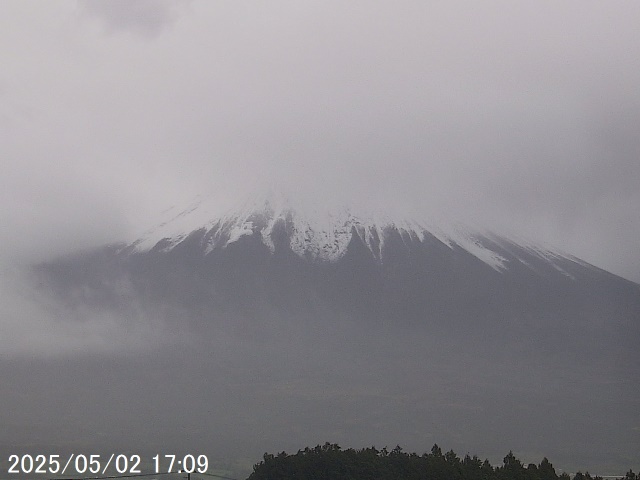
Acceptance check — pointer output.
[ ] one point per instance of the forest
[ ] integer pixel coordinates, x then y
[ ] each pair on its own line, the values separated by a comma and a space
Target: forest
330, 462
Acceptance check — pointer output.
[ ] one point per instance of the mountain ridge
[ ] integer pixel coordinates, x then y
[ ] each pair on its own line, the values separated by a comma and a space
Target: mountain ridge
324, 234
432, 341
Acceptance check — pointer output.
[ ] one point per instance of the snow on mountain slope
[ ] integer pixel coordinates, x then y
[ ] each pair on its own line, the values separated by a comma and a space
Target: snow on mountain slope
322, 235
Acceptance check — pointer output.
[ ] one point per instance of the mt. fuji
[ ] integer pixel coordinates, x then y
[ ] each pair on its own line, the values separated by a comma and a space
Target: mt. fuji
278, 326
323, 235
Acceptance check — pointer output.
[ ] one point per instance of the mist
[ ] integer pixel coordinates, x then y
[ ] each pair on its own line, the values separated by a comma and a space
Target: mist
517, 117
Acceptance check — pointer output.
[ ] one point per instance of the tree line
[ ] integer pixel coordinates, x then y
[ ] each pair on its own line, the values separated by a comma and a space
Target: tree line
330, 462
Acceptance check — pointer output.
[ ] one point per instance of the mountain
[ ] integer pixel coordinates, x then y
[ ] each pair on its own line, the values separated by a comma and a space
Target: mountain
273, 326
323, 235
375, 266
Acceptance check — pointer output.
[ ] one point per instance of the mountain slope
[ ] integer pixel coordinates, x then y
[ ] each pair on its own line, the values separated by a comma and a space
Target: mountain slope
320, 235
304, 327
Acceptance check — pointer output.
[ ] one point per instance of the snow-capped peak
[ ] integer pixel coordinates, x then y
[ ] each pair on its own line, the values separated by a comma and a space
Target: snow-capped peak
314, 232
323, 233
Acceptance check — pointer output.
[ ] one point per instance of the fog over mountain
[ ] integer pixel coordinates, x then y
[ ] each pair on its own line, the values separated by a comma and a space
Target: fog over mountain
518, 117
451, 255
270, 328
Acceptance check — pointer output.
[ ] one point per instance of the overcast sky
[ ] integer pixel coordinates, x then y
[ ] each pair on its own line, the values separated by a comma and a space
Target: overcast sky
522, 116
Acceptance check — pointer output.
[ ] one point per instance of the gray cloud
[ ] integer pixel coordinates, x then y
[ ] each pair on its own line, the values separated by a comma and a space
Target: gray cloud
519, 117
143, 17
37, 325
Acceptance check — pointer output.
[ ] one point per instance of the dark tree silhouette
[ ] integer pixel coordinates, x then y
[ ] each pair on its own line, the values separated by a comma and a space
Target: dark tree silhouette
330, 462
